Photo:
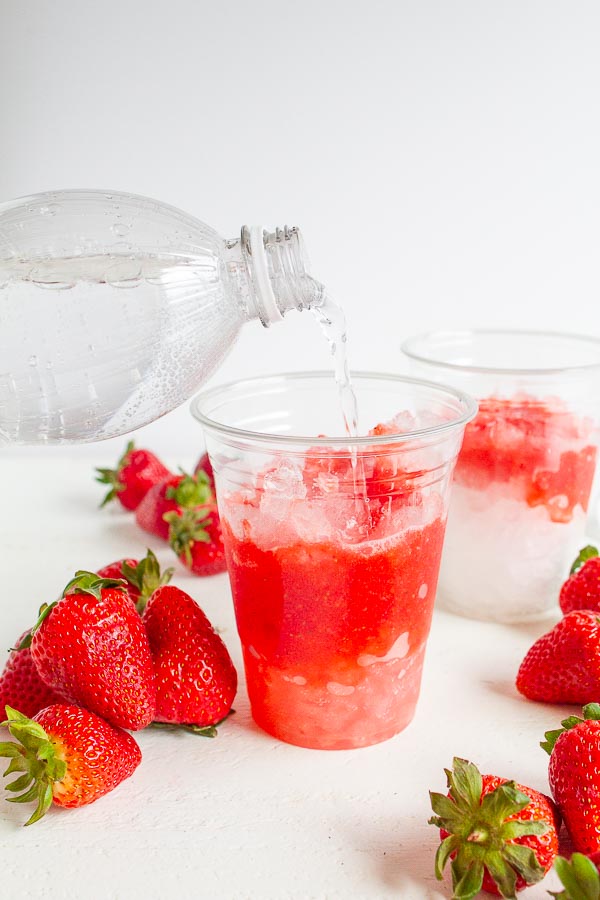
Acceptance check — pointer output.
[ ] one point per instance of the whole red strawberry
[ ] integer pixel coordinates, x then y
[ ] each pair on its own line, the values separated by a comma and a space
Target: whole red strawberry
500, 835
66, 755
196, 680
21, 685
581, 590
136, 472
142, 577
573, 775
91, 647
563, 666
195, 536
172, 495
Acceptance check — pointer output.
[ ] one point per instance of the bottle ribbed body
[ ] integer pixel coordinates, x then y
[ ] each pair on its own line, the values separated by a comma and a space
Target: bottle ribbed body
116, 308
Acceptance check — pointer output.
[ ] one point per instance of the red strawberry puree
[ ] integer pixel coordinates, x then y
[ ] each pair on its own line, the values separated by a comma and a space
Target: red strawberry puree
334, 603
521, 489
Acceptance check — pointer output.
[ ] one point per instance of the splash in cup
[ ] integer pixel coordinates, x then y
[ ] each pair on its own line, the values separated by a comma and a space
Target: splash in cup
333, 545
524, 476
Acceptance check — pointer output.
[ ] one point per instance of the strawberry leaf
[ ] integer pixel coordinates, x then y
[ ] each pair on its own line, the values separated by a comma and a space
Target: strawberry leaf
186, 529
13, 752
43, 805
579, 877
29, 794
90, 583
146, 577
17, 762
38, 761
502, 872
112, 476
517, 828
19, 784
25, 641
590, 711
525, 862
503, 802
586, 553
466, 881
201, 730
191, 491
464, 781
443, 806
448, 846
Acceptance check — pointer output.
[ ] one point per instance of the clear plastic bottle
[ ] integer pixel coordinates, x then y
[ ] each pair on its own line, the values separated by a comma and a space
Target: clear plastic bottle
114, 308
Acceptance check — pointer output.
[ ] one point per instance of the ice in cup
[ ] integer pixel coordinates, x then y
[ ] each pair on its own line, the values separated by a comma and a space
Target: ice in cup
333, 545
523, 480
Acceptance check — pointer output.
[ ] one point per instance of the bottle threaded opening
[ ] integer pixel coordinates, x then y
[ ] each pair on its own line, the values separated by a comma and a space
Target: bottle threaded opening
278, 265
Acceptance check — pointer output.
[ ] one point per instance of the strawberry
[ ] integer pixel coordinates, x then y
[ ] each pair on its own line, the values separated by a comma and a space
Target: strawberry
563, 666
91, 647
67, 755
576, 469
195, 536
21, 685
581, 590
500, 835
142, 577
204, 465
580, 877
150, 512
573, 775
196, 680
136, 472
114, 571
171, 495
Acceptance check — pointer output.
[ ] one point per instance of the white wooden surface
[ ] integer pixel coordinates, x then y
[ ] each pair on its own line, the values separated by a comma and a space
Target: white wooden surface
244, 816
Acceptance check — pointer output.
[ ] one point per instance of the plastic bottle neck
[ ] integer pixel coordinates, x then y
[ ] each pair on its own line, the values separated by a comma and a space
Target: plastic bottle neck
269, 272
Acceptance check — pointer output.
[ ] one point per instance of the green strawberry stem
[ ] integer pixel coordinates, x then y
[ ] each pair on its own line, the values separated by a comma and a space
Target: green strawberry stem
146, 577
192, 490
111, 476
590, 711
209, 731
586, 553
579, 878
85, 582
480, 833
45, 610
34, 756
186, 529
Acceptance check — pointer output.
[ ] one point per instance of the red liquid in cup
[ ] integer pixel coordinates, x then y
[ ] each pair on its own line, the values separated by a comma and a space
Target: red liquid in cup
334, 595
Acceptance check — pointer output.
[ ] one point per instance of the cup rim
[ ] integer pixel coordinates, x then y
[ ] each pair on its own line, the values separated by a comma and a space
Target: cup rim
272, 382
408, 348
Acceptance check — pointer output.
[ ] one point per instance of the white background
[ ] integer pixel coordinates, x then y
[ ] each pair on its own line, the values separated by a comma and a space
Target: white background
442, 158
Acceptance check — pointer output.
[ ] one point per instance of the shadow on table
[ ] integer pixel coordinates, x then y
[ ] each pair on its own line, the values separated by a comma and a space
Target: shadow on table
503, 669
402, 861
408, 869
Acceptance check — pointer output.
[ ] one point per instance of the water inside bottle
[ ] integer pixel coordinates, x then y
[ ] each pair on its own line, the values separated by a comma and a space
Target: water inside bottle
108, 358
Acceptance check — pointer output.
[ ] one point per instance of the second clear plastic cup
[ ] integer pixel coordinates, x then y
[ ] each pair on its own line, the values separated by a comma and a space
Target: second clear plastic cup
333, 545
524, 476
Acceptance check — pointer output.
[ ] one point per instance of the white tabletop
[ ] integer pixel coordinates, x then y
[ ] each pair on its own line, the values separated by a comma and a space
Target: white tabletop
244, 816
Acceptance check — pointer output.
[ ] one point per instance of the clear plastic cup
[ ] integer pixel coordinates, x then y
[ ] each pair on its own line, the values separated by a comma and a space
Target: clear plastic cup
523, 480
333, 545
